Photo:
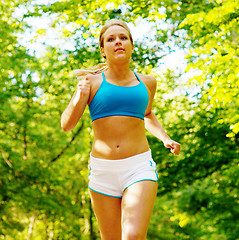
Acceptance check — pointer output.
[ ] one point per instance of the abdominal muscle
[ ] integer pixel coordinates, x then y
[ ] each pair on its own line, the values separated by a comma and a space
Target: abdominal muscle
118, 137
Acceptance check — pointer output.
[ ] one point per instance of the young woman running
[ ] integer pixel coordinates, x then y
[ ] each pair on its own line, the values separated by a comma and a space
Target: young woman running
123, 176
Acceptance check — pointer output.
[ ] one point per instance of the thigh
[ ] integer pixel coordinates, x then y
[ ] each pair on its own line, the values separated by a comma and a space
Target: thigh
108, 214
137, 207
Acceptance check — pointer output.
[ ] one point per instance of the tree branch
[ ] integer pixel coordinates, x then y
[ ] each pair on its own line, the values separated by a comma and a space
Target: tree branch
68, 144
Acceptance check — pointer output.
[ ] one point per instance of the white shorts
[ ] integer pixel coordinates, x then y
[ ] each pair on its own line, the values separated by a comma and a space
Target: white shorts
112, 177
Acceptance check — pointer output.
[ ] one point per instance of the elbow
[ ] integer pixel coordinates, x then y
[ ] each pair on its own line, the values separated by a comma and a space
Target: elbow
64, 126
67, 124
148, 114
64, 129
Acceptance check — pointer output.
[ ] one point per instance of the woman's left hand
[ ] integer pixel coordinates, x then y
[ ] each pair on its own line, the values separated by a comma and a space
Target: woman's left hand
174, 146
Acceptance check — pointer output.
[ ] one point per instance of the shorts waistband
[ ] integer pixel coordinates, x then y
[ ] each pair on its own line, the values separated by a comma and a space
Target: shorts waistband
100, 163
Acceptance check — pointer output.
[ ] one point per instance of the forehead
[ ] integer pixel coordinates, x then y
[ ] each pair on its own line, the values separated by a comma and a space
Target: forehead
115, 30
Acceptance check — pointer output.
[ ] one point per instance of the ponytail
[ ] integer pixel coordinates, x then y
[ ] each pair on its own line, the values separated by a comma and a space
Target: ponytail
99, 68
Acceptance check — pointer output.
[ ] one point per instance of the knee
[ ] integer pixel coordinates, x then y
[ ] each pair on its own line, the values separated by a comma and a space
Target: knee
133, 234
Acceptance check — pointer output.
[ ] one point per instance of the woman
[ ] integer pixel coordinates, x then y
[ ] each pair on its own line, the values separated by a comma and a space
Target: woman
123, 177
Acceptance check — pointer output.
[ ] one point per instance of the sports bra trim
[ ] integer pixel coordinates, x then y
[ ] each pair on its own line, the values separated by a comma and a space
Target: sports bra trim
104, 79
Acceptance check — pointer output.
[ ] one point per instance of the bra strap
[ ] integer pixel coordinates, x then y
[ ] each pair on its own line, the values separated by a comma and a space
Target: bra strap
137, 76
103, 75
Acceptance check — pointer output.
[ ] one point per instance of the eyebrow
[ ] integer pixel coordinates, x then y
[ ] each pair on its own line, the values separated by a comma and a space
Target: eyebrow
111, 35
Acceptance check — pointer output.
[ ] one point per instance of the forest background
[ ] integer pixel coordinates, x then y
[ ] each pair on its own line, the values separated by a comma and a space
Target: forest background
189, 46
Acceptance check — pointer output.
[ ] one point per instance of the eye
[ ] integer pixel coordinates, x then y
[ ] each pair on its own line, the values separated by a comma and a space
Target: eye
110, 39
124, 38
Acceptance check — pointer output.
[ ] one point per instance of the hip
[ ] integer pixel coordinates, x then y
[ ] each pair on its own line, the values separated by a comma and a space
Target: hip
112, 178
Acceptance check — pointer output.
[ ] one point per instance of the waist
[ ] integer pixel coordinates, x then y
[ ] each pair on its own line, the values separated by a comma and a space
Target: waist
118, 137
118, 127
116, 152
101, 163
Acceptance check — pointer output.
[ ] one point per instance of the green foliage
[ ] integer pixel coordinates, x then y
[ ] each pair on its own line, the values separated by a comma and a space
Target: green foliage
214, 33
43, 170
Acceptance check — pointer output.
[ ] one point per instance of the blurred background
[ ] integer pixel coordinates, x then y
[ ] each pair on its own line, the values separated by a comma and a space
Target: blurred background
189, 46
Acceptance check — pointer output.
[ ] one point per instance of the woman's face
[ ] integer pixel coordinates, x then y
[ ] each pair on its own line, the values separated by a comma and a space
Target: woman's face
116, 44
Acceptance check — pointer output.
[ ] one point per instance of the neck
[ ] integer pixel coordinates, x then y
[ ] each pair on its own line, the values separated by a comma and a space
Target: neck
119, 72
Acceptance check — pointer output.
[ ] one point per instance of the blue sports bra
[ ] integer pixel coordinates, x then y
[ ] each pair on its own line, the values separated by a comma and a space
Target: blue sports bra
114, 100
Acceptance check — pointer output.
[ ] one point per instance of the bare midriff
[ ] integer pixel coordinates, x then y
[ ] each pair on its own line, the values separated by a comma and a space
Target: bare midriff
118, 137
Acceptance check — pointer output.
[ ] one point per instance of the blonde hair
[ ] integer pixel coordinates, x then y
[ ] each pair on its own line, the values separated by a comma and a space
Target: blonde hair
102, 67
99, 68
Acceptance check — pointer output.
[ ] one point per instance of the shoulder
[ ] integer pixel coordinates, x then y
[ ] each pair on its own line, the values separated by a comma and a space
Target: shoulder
149, 81
95, 82
95, 79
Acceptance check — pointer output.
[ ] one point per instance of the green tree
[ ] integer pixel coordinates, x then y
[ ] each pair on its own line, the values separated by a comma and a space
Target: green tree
214, 36
43, 183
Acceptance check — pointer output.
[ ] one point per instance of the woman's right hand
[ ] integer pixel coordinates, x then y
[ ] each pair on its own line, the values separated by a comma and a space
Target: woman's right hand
82, 90
76, 107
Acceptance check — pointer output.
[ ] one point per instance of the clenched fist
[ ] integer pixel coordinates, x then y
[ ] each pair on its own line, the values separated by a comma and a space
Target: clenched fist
83, 87
174, 146
82, 90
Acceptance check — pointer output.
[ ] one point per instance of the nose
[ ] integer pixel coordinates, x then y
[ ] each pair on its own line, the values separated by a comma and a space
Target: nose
118, 41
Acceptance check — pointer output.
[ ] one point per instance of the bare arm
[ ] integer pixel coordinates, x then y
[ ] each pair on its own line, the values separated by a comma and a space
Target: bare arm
152, 124
76, 107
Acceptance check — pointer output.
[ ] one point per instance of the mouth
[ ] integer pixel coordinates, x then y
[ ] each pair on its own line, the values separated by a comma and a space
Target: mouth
119, 49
